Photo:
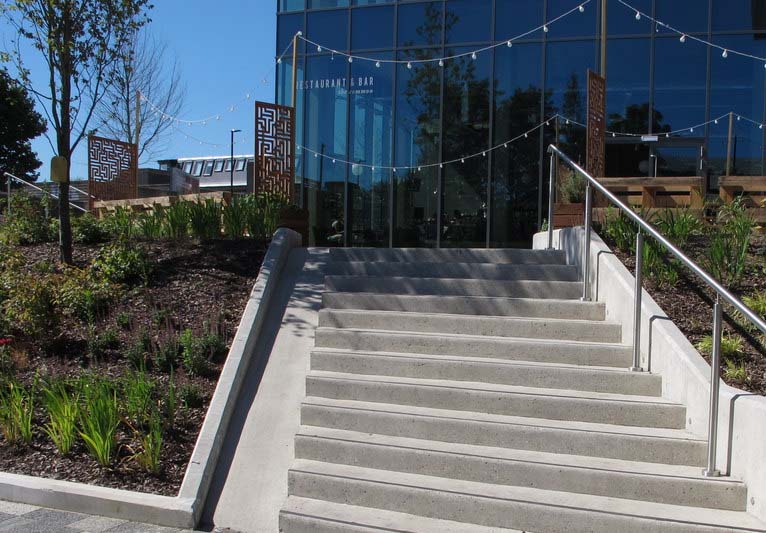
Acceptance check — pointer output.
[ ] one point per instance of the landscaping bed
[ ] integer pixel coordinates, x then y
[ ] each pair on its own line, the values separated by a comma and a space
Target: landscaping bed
738, 259
107, 367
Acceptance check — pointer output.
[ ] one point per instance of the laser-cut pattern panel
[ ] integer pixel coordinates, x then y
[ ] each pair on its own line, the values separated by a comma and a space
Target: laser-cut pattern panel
112, 169
274, 149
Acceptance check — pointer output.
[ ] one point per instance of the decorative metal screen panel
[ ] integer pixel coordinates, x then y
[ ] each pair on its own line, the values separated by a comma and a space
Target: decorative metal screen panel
112, 169
596, 144
274, 149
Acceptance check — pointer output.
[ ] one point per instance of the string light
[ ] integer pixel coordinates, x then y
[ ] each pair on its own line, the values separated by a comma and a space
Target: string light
683, 36
377, 64
440, 60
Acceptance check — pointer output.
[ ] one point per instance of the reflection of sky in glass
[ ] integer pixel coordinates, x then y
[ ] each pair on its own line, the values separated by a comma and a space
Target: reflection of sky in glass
565, 60
680, 73
329, 28
688, 16
628, 80
372, 27
575, 25
622, 21
469, 21
513, 17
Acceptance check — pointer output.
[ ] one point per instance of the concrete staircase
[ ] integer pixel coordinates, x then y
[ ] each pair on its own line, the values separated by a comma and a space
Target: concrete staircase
471, 391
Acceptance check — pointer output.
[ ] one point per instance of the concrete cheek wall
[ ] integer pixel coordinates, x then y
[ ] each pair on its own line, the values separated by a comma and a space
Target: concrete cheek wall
741, 450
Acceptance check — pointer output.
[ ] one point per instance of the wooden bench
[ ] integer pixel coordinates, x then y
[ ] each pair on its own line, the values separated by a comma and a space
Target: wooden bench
649, 193
101, 207
751, 188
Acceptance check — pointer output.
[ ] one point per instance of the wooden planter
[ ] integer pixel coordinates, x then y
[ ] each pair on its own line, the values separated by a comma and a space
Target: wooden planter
568, 215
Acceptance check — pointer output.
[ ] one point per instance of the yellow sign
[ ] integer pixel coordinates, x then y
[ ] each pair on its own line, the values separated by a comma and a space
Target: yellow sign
59, 169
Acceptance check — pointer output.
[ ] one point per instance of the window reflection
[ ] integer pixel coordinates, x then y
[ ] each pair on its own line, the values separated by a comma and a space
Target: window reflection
514, 17
680, 79
515, 186
372, 28
468, 21
417, 133
420, 24
326, 92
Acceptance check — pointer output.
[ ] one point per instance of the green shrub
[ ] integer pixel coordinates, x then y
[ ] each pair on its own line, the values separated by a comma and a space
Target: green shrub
731, 346
213, 346
165, 357
191, 396
123, 320
205, 219
572, 187
735, 372
136, 356
151, 223
235, 217
176, 221
151, 446
27, 303
7, 363
756, 302
120, 263
620, 229
99, 419
87, 229
193, 356
170, 402
137, 403
121, 223
83, 295
63, 409
726, 255
98, 344
17, 406
262, 213
27, 223
678, 225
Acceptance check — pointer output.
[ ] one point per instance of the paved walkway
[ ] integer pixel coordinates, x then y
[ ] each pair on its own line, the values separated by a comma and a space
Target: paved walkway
20, 518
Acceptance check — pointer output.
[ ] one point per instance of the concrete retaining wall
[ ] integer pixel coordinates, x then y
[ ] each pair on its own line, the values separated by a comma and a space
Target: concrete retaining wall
741, 450
185, 509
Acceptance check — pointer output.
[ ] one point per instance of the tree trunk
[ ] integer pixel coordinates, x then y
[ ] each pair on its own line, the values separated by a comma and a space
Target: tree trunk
64, 141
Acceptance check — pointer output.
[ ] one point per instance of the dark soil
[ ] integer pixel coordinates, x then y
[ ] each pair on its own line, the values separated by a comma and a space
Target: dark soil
201, 286
689, 303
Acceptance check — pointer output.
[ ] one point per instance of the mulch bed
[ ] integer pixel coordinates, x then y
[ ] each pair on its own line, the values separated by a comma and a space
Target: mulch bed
193, 284
689, 303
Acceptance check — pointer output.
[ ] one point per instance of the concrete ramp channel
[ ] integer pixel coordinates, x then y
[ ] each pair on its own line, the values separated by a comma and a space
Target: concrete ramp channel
455, 391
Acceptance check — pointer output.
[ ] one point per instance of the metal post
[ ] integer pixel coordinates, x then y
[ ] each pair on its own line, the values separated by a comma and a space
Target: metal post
551, 194
8, 186
715, 382
294, 95
603, 39
729, 144
586, 251
637, 303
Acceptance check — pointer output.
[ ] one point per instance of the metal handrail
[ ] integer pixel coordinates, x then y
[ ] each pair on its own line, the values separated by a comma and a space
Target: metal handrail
19, 180
645, 227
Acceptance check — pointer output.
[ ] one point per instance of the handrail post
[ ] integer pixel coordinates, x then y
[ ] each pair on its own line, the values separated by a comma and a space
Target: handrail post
586, 251
551, 193
715, 381
8, 186
637, 303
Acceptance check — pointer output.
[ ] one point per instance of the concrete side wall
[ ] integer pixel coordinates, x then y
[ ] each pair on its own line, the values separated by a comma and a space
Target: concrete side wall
686, 376
207, 450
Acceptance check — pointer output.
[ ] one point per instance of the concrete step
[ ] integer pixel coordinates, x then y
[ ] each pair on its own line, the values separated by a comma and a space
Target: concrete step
490, 271
449, 255
538, 350
545, 375
502, 506
530, 328
629, 443
466, 305
676, 485
553, 404
302, 515
455, 287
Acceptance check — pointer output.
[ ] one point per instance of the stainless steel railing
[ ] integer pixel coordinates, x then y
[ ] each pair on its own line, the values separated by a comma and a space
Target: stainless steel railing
645, 228
10, 177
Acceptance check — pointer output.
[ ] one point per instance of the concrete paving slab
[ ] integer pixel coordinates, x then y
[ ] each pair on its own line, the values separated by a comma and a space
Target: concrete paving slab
19, 524
95, 524
16, 508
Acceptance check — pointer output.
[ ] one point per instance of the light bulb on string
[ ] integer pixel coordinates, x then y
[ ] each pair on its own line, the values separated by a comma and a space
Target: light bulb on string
377, 64
715, 121
526, 135
545, 28
319, 49
638, 15
473, 56
350, 59
279, 61
510, 44
441, 62
683, 38
462, 160
725, 53
582, 8
409, 65
691, 130
484, 154
739, 117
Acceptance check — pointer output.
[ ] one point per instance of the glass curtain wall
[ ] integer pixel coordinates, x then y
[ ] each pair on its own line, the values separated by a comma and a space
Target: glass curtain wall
380, 133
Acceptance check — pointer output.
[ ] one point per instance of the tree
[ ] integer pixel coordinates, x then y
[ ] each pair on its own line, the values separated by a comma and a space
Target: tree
19, 124
143, 68
80, 42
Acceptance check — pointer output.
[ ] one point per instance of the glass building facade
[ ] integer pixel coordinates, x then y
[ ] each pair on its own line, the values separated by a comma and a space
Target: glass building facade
397, 116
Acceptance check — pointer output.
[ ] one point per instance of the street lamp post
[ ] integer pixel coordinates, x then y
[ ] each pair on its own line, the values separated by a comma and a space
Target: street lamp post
231, 163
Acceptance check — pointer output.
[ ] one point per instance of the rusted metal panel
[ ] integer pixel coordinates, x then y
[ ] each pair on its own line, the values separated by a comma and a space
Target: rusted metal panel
112, 169
596, 145
275, 149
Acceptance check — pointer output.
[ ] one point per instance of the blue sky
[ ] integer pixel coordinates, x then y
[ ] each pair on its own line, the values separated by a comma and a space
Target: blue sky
225, 49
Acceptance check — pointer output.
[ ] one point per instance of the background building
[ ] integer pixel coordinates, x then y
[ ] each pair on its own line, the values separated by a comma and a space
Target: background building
394, 115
